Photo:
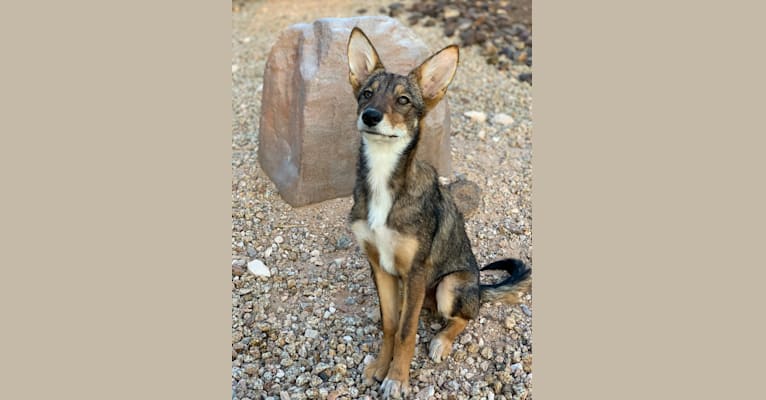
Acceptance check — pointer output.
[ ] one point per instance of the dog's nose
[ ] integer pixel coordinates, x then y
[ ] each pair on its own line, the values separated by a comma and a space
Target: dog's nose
371, 116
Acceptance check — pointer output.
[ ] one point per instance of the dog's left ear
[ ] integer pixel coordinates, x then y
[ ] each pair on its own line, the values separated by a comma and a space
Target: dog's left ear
435, 74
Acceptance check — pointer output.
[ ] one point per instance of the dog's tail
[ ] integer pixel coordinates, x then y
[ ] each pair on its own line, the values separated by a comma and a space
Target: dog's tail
511, 288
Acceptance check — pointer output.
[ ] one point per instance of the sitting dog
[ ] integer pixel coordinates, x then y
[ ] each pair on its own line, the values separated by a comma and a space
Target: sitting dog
407, 224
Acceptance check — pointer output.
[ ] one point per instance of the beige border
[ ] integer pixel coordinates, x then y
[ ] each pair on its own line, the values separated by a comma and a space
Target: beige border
116, 200
648, 169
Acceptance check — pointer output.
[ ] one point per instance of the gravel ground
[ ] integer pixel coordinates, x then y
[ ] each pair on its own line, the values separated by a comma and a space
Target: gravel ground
502, 28
306, 331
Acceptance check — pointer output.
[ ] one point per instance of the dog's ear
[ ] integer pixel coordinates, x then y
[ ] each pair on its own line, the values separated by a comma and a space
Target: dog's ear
435, 74
363, 60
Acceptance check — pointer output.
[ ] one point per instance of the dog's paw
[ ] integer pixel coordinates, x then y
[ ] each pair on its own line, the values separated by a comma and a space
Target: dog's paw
393, 389
376, 371
439, 349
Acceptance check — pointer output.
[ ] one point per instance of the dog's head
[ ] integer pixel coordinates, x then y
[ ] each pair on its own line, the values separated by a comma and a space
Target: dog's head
390, 106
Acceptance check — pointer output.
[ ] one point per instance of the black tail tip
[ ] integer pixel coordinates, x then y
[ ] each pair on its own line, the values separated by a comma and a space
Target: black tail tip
516, 268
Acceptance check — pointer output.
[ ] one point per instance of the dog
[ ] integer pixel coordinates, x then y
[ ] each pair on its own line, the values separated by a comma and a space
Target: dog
408, 225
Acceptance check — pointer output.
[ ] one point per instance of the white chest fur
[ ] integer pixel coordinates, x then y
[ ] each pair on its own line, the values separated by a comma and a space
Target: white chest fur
384, 239
382, 157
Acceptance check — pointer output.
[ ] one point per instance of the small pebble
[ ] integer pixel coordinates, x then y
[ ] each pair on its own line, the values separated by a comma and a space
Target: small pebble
502, 119
251, 252
450, 12
258, 268
476, 116
486, 352
343, 242
311, 333
526, 310
426, 393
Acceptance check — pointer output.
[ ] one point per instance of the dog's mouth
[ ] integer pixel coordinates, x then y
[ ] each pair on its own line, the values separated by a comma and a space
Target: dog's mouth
379, 134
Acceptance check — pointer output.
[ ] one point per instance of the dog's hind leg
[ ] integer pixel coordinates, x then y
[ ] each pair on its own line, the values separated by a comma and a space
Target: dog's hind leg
457, 298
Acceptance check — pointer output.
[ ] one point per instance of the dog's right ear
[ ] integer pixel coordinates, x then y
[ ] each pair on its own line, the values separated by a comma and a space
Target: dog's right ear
363, 60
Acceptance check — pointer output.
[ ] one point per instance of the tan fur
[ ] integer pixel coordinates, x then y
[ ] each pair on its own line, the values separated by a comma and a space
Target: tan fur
511, 295
388, 293
445, 294
404, 246
441, 345
405, 249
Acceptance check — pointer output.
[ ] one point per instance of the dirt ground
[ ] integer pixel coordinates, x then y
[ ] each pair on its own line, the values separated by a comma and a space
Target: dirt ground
305, 331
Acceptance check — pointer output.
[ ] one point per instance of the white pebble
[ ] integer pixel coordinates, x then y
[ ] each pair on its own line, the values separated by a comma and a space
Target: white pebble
450, 12
311, 333
476, 116
258, 268
515, 367
502, 119
279, 239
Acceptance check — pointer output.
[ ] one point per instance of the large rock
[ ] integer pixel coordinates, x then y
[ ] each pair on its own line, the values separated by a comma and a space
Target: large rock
308, 141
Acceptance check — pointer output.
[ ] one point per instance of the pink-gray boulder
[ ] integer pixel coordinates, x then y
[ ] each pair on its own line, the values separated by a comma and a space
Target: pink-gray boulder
308, 141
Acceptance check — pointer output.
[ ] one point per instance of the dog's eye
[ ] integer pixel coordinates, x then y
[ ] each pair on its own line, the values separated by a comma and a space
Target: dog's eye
403, 100
367, 93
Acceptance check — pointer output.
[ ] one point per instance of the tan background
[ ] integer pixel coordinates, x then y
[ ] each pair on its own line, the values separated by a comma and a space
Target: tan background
116, 140
116, 200
648, 201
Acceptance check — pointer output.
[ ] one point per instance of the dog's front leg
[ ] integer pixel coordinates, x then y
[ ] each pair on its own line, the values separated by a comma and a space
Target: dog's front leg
387, 286
396, 383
